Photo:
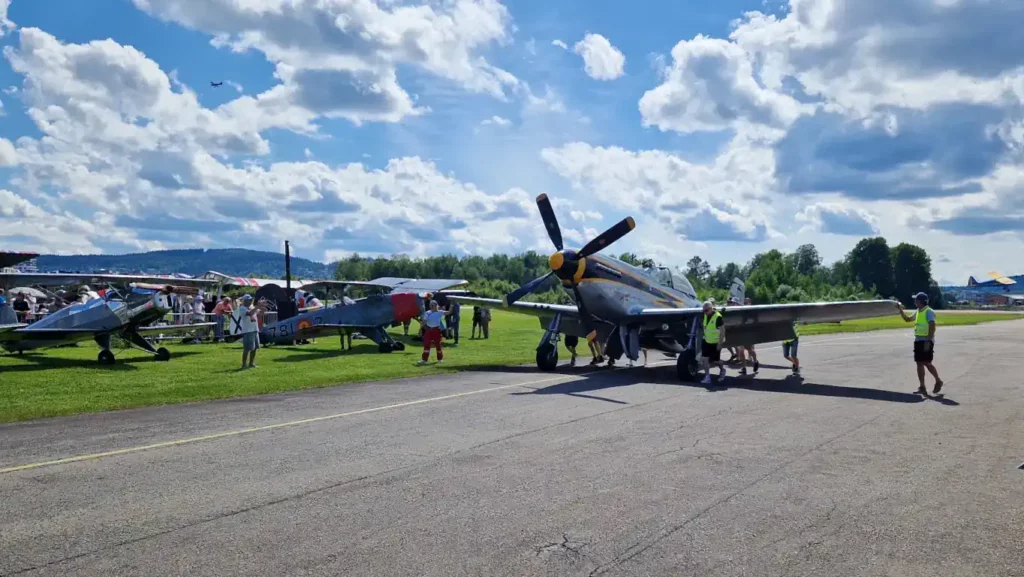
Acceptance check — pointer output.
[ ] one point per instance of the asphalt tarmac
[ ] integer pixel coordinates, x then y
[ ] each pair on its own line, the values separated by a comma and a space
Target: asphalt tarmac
514, 472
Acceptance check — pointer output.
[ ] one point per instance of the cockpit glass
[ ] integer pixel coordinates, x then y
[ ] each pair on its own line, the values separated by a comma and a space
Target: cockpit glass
680, 283
661, 275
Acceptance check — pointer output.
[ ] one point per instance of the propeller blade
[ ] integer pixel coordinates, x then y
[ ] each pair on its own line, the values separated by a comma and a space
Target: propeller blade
584, 315
547, 214
525, 289
607, 237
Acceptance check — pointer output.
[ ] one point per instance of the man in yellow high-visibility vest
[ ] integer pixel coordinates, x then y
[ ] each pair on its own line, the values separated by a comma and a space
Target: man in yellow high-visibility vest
924, 341
711, 344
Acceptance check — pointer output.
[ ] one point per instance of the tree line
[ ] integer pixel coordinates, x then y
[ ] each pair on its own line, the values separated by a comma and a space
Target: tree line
871, 269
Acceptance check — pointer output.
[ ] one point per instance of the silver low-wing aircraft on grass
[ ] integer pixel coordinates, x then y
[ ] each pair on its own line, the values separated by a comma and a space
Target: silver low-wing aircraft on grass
631, 308
102, 319
369, 316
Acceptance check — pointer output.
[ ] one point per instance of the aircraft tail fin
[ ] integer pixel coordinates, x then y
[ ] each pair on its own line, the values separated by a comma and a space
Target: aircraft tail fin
738, 290
972, 281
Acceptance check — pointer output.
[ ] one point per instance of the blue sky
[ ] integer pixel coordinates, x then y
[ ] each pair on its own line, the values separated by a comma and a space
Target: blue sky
725, 129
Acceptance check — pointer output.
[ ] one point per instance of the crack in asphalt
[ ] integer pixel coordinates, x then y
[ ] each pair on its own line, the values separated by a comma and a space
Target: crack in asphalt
567, 547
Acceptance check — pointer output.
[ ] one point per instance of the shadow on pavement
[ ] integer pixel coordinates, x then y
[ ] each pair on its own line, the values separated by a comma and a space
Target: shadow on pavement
592, 381
802, 387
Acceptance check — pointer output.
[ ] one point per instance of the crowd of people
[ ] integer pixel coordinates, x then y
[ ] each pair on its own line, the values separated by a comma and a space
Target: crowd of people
30, 306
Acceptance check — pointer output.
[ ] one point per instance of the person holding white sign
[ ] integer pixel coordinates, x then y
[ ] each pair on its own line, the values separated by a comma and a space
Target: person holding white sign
250, 329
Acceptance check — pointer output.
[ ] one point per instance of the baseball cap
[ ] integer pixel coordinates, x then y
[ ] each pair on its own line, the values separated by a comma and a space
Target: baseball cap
922, 296
246, 297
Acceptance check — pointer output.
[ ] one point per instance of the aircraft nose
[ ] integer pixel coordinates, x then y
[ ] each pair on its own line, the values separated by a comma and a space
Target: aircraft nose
556, 260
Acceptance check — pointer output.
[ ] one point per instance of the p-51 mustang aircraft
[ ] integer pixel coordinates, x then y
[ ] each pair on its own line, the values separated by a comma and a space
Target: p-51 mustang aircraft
100, 319
370, 316
629, 307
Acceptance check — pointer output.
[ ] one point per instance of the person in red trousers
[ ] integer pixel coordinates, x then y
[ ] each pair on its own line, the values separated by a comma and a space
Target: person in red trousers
432, 321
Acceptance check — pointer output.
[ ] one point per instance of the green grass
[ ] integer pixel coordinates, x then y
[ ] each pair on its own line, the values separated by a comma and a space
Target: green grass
67, 381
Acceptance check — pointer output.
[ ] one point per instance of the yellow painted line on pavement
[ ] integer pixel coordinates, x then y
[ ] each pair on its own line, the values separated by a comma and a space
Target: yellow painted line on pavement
235, 433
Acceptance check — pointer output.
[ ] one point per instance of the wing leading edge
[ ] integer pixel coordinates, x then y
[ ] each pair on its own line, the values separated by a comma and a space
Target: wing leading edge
535, 309
802, 313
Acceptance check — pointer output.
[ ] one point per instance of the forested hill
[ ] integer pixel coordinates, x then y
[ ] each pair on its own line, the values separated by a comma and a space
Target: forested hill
232, 261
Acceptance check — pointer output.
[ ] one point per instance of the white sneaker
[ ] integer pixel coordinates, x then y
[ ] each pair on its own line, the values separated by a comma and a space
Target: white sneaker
706, 381
440, 361
421, 362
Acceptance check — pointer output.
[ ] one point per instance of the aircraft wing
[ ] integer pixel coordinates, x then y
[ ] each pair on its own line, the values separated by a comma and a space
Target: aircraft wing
65, 279
802, 313
535, 309
1000, 278
172, 329
418, 285
19, 333
340, 284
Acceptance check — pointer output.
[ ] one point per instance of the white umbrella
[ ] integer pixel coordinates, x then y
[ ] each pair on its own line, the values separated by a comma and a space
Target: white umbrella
29, 292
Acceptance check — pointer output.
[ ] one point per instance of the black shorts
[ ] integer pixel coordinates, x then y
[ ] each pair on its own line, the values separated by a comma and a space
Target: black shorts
924, 351
571, 341
710, 351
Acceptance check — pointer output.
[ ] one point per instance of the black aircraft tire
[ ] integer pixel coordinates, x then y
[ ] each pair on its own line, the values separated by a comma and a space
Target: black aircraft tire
163, 354
384, 348
547, 357
687, 367
399, 346
105, 358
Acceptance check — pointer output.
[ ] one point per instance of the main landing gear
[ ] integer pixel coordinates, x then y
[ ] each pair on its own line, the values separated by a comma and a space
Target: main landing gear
132, 339
547, 356
547, 350
687, 366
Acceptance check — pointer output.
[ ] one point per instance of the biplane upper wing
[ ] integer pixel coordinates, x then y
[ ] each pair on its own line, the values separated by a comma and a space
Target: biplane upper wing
340, 284
67, 279
418, 285
535, 309
801, 313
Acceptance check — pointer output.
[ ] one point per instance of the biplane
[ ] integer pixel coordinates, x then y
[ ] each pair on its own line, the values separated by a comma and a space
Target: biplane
400, 299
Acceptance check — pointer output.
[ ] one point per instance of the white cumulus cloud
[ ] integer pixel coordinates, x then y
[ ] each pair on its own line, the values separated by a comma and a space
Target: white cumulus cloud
601, 60
833, 218
340, 58
496, 121
128, 154
711, 85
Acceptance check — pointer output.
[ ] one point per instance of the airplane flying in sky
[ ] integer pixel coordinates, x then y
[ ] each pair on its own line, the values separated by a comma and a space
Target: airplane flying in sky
101, 319
657, 308
999, 280
216, 84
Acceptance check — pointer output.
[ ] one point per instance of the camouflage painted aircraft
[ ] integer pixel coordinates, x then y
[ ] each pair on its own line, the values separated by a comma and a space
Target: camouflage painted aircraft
630, 308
